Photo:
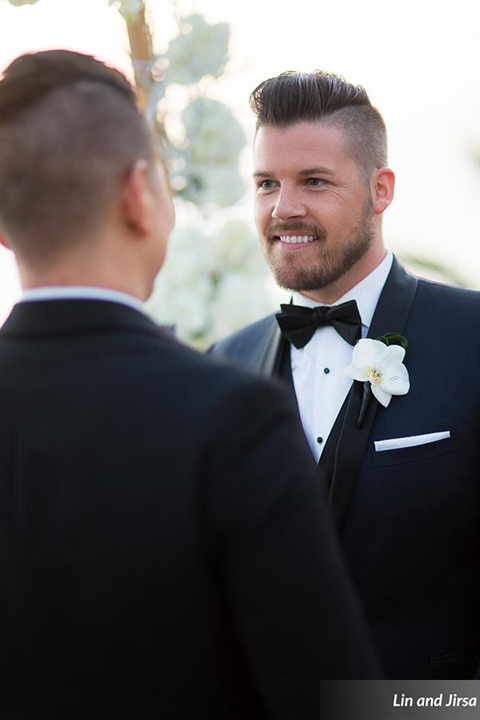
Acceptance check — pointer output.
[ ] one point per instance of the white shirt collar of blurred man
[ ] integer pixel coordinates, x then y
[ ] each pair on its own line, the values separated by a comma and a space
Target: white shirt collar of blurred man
80, 292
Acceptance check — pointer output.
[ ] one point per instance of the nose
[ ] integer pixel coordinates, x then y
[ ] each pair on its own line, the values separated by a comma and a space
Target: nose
288, 205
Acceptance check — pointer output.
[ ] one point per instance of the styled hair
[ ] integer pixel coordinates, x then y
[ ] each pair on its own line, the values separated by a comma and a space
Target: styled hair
70, 129
320, 96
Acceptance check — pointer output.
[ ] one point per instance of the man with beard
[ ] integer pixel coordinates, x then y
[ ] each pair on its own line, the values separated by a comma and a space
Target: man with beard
395, 435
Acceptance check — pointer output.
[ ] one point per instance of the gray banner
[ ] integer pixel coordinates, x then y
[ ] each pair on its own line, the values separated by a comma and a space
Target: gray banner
400, 700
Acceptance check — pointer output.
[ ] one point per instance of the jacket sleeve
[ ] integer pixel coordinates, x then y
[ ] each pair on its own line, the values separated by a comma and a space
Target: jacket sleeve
293, 606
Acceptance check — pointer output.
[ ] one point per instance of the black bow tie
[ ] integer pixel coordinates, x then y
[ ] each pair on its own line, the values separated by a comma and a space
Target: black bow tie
298, 323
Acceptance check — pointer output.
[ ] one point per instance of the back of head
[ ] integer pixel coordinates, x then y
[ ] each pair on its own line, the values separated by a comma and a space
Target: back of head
294, 97
70, 129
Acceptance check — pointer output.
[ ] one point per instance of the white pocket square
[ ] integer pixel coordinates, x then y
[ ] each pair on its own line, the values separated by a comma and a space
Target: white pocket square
411, 441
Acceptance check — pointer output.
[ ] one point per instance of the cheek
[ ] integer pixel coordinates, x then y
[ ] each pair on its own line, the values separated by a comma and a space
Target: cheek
332, 214
166, 216
261, 214
171, 215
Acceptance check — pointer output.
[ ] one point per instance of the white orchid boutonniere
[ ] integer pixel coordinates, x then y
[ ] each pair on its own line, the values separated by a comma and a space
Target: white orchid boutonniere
379, 365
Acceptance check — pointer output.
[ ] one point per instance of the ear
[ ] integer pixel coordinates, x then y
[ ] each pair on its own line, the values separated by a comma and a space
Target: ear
3, 242
136, 199
382, 186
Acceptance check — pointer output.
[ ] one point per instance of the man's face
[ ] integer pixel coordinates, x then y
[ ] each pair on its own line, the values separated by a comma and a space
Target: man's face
313, 210
163, 213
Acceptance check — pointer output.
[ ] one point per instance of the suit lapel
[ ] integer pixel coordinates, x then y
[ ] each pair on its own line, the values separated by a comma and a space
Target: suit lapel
258, 347
390, 315
270, 357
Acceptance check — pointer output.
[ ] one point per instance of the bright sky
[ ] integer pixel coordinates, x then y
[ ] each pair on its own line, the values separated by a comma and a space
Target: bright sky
418, 59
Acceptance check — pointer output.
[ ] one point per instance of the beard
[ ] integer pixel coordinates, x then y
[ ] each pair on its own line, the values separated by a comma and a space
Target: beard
330, 264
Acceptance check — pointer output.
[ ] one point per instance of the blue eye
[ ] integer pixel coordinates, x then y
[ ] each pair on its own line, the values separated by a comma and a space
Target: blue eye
266, 185
316, 182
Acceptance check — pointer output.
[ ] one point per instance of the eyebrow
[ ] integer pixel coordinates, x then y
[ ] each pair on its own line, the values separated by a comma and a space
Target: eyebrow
317, 171
302, 173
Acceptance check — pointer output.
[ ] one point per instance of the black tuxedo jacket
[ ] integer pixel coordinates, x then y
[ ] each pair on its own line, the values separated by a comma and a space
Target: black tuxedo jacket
409, 519
160, 554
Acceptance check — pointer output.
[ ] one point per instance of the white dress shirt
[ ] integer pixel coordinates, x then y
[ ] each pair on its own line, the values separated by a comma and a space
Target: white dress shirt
317, 369
80, 292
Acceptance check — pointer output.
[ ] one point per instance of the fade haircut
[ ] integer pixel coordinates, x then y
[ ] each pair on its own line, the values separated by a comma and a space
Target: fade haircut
324, 97
70, 129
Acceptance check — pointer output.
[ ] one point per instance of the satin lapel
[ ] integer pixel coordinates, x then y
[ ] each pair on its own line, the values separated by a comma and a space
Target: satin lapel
390, 315
269, 359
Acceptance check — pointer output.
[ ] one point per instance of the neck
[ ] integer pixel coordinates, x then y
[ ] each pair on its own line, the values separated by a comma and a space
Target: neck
103, 269
29, 282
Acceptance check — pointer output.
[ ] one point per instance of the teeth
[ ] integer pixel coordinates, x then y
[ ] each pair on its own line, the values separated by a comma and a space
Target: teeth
297, 238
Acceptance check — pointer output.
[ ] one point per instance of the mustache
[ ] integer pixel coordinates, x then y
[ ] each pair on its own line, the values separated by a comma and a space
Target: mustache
295, 227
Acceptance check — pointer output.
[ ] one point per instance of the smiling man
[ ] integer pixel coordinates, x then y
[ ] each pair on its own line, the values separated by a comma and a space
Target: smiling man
319, 226
395, 435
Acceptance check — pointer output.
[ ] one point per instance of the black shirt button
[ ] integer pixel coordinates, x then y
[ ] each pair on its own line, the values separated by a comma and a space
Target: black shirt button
319, 440
326, 370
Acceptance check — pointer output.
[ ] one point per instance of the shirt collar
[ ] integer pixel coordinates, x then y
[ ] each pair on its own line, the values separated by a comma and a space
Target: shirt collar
80, 292
366, 292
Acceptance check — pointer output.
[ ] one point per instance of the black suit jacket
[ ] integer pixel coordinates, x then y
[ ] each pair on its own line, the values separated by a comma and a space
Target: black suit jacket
160, 548
409, 518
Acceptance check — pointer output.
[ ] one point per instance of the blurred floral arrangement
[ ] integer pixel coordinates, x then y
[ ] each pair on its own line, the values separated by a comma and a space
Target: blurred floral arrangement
221, 276
214, 280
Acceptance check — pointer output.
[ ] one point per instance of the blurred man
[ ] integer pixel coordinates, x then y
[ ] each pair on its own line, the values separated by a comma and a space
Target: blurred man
395, 435
164, 551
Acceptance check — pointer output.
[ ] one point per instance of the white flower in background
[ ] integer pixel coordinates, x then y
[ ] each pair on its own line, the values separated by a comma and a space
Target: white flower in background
240, 300
200, 49
214, 141
382, 366
215, 184
237, 249
214, 134
186, 311
17, 3
213, 281
183, 289
128, 8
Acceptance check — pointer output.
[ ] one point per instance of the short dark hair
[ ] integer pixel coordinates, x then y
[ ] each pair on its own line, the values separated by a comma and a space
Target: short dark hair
70, 129
324, 97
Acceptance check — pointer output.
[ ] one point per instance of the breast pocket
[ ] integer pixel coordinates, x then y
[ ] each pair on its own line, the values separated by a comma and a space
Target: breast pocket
414, 454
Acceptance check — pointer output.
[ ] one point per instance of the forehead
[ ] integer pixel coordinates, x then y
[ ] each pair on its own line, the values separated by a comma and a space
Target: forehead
300, 146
